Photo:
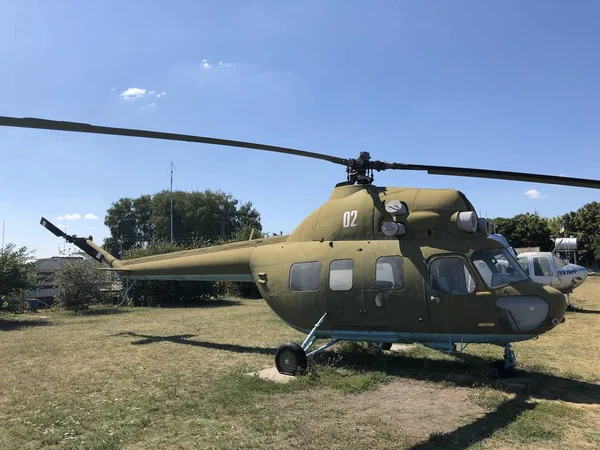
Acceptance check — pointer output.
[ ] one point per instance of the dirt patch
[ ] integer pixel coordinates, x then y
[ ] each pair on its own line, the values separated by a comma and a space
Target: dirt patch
415, 408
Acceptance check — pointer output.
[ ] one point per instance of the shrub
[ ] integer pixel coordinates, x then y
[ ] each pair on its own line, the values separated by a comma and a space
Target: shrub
82, 283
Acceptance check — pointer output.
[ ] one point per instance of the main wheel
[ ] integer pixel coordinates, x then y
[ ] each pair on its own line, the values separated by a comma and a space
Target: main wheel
290, 359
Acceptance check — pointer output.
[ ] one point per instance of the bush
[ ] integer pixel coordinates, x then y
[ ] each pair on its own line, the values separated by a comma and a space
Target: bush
82, 283
16, 271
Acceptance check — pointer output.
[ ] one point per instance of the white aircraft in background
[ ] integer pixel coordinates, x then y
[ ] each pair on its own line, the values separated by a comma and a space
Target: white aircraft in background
548, 268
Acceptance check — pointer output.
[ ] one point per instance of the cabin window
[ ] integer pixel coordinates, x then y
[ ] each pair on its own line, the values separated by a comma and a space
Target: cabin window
341, 272
541, 267
305, 276
388, 272
558, 262
524, 263
449, 275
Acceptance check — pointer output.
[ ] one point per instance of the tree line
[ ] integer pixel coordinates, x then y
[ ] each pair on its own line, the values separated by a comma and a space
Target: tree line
533, 230
199, 218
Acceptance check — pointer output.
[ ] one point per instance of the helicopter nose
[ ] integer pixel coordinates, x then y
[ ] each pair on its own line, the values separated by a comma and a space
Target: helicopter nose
558, 305
581, 274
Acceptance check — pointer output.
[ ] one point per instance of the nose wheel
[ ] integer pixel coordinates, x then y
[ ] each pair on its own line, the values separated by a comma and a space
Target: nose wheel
506, 368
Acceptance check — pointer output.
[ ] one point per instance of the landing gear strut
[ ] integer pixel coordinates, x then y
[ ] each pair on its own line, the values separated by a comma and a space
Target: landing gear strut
501, 369
292, 359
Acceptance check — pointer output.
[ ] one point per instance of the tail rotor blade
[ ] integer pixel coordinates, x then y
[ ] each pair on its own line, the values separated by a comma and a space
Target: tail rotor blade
53, 228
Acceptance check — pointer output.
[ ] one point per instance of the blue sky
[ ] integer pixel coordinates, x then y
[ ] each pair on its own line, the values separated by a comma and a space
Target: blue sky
500, 85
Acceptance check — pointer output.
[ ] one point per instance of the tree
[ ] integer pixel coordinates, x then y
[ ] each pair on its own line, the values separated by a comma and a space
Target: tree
133, 223
128, 220
16, 270
526, 230
555, 224
584, 224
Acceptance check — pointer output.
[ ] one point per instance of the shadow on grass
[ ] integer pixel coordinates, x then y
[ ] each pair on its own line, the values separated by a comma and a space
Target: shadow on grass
202, 304
185, 340
468, 370
103, 311
17, 324
480, 429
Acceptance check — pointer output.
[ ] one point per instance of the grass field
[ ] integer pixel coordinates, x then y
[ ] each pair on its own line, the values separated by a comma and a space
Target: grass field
175, 379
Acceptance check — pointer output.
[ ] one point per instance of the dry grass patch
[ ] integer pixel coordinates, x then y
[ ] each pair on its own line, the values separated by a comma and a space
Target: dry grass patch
174, 378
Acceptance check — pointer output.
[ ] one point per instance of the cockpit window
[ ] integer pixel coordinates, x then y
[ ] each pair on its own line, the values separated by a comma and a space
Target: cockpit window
524, 263
558, 262
541, 267
497, 267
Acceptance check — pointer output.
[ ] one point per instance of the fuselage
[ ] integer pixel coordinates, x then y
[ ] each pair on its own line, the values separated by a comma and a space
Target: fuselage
425, 280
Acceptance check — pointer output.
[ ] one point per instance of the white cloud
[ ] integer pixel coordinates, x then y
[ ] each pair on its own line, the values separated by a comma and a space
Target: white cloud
90, 216
133, 93
206, 64
139, 93
533, 193
113, 89
70, 217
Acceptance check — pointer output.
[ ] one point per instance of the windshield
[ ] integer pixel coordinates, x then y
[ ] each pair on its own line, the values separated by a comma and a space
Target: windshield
497, 267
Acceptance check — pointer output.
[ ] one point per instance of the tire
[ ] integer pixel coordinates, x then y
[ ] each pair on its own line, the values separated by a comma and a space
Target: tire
290, 359
497, 370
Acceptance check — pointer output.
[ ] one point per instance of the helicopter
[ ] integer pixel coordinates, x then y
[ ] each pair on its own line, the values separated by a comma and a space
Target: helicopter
548, 268
374, 264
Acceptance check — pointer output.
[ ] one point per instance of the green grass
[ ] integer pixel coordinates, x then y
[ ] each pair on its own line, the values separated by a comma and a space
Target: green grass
177, 378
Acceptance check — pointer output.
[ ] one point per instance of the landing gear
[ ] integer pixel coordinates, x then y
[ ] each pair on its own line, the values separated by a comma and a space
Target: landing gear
502, 369
290, 359
379, 345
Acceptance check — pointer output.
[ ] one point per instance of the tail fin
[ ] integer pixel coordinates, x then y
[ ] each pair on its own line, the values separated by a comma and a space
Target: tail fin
85, 244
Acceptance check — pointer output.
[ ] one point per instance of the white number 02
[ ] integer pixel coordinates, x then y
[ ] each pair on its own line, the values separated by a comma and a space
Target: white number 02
349, 219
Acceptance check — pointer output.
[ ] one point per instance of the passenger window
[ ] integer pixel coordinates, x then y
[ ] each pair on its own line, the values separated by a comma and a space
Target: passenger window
524, 263
541, 267
305, 276
388, 272
341, 272
450, 276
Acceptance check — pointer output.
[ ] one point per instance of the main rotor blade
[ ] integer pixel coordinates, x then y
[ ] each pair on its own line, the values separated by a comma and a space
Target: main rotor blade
78, 127
497, 174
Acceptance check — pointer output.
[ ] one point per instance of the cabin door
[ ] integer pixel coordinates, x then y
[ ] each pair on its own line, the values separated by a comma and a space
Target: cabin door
453, 303
344, 291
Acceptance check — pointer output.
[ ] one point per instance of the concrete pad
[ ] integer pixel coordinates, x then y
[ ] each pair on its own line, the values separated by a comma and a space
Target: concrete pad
401, 347
271, 374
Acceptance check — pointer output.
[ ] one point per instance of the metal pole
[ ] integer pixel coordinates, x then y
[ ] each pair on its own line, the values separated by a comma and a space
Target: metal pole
171, 202
3, 224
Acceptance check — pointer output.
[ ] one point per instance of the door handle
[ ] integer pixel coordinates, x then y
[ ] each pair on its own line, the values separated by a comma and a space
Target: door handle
435, 299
